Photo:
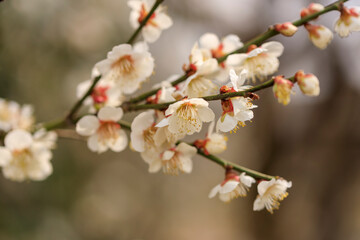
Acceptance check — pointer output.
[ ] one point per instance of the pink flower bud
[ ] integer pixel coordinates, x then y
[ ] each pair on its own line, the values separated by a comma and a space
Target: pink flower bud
308, 83
287, 29
319, 35
348, 22
311, 9
282, 89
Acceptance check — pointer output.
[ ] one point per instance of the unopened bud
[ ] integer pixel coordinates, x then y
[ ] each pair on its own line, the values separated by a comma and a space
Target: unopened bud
311, 9
282, 89
308, 83
319, 35
287, 29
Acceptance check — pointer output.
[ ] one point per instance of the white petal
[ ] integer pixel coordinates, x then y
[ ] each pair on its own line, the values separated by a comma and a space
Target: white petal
209, 40
167, 155
214, 191
228, 186
186, 163
5, 156
186, 149
246, 180
255, 52
264, 185
235, 60
110, 114
87, 125
273, 48
163, 21
120, 143
155, 166
231, 43
163, 123
208, 67
206, 114
227, 125
151, 33
258, 204
18, 139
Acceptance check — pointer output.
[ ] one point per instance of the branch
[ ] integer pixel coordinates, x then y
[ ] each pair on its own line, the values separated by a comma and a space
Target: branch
223, 163
143, 23
161, 106
271, 32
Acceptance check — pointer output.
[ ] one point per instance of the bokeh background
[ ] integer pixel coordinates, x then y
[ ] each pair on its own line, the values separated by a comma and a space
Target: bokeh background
48, 47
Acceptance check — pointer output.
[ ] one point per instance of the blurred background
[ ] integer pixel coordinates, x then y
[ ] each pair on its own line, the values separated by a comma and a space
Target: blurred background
48, 47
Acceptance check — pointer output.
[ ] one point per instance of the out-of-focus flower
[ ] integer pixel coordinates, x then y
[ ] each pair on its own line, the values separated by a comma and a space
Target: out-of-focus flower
282, 89
319, 35
311, 9
214, 143
186, 116
308, 83
103, 94
25, 157
261, 61
348, 22
232, 187
166, 92
158, 21
287, 29
104, 131
221, 48
270, 194
126, 66
14, 116
172, 161
236, 110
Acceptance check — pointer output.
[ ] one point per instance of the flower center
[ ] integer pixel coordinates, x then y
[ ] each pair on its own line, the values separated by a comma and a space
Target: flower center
99, 95
108, 130
173, 166
187, 111
144, 13
22, 158
125, 65
149, 136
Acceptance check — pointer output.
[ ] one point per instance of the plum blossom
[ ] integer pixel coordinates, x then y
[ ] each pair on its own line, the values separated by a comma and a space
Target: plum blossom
103, 130
166, 93
202, 67
214, 143
186, 116
14, 116
103, 94
220, 48
261, 61
158, 21
270, 194
232, 187
282, 89
308, 83
236, 110
319, 35
348, 22
127, 67
27, 157
172, 161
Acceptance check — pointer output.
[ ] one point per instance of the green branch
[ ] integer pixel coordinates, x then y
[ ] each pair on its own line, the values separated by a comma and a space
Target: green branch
143, 23
162, 106
271, 32
223, 163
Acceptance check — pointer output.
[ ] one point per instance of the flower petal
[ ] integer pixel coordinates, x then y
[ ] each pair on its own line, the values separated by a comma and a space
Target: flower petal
110, 114
18, 139
87, 125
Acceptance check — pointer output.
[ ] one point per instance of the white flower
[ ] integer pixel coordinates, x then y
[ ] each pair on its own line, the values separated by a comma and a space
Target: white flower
163, 137
236, 110
166, 92
104, 131
214, 143
308, 83
158, 21
25, 157
348, 22
319, 35
186, 116
103, 94
221, 48
282, 89
127, 66
172, 161
14, 116
261, 61
270, 194
143, 131
233, 186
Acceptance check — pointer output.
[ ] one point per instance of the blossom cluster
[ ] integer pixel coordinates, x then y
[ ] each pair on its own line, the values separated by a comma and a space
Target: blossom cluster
218, 69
